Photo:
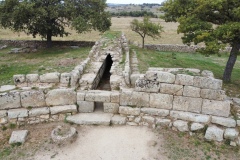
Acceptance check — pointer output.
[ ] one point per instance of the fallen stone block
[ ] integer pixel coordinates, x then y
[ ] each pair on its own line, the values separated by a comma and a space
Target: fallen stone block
63, 109
213, 94
182, 126
227, 122
217, 108
161, 101
231, 133
187, 104
32, 99
155, 112
118, 120
50, 78
214, 133
17, 113
10, 100
38, 111
196, 126
85, 107
129, 111
111, 107
190, 91
198, 118
207, 83
172, 89
182, 79
18, 137
58, 97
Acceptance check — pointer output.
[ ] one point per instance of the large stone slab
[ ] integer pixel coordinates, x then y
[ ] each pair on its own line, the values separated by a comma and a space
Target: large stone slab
115, 97
85, 107
7, 88
32, 78
38, 111
216, 108
98, 96
118, 120
32, 99
135, 99
63, 109
3, 113
183, 79
227, 122
190, 91
18, 136
10, 100
214, 133
129, 111
213, 94
207, 83
111, 107
17, 113
187, 104
172, 89
155, 112
143, 85
58, 97
199, 118
91, 118
50, 78
161, 101
164, 77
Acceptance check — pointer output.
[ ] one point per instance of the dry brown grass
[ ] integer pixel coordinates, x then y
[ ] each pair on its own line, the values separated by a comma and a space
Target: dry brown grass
170, 35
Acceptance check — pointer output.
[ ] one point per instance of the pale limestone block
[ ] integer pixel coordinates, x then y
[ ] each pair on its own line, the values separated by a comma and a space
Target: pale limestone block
50, 78
155, 112
115, 97
182, 126
111, 107
59, 97
3, 113
213, 94
65, 78
18, 79
3, 121
196, 126
187, 104
190, 91
148, 119
171, 89
63, 109
32, 78
6, 88
163, 122
214, 133
17, 113
227, 122
18, 136
118, 120
206, 73
159, 76
143, 85
183, 79
216, 108
46, 116
32, 98
74, 80
187, 116
231, 133
125, 97
38, 111
129, 111
81, 95
10, 100
85, 107
161, 101
207, 83
98, 96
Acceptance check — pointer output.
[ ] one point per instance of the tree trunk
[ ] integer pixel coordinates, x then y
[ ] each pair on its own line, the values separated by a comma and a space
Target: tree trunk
143, 41
49, 39
230, 63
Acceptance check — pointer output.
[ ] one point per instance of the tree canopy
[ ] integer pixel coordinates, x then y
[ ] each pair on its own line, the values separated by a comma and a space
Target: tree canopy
146, 28
49, 18
216, 23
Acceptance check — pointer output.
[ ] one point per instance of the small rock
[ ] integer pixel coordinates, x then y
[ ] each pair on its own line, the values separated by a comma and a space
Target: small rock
231, 133
214, 133
182, 126
234, 144
196, 126
18, 137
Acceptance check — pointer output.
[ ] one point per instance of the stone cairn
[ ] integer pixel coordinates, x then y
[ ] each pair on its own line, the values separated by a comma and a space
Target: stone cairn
186, 100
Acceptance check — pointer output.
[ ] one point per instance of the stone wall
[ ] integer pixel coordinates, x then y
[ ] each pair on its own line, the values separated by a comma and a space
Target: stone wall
178, 48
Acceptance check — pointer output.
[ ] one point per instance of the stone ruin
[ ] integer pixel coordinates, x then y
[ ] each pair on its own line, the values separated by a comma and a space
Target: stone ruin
186, 100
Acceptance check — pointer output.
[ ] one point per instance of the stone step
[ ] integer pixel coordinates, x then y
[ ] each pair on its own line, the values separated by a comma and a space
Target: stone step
91, 118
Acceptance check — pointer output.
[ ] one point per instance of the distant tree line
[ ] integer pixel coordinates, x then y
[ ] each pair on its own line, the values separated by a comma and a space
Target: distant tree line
134, 14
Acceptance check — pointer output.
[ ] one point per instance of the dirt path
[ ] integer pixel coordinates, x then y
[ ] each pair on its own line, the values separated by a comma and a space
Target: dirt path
107, 143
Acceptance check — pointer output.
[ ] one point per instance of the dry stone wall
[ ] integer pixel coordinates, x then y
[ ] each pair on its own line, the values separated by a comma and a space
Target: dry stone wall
184, 99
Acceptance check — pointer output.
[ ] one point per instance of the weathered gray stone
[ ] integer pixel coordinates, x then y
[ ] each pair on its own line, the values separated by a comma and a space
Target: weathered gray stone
32, 78
206, 73
217, 108
163, 122
63, 109
115, 97
161, 101
50, 77
164, 77
183, 79
187, 104
155, 112
139, 99
227, 122
38, 111
10, 100
81, 95
79, 68
148, 119
207, 83
58, 97
32, 99
18, 79
85, 107
238, 123
3, 120
118, 120
98, 96
143, 85
231, 133
132, 124
74, 80
129, 111
196, 126
18, 136
111, 107
190, 91
214, 133
171, 89
115, 81
7, 88
213, 94
65, 78
199, 118
182, 126
17, 113
3, 113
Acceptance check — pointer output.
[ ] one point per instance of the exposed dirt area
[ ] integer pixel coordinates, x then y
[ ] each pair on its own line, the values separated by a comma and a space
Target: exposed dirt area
114, 142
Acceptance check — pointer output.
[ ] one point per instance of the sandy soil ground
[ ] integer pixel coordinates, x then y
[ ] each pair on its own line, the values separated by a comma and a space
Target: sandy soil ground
107, 143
